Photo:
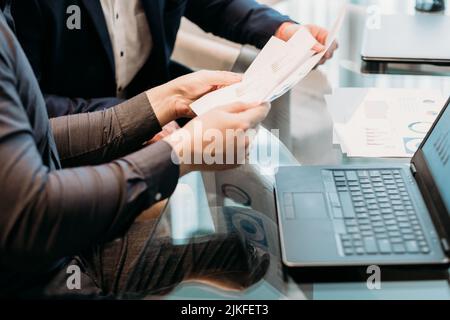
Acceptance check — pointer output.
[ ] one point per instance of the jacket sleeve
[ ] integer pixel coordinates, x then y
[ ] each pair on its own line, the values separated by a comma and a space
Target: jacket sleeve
242, 21
45, 214
103, 136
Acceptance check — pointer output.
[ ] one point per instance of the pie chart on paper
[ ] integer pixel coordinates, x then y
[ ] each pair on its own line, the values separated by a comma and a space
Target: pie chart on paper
420, 127
412, 145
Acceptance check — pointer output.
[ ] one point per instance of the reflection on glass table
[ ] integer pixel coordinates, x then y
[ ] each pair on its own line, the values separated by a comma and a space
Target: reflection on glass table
233, 206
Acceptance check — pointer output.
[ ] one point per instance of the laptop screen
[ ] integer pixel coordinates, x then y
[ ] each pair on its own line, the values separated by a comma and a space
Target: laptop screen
436, 151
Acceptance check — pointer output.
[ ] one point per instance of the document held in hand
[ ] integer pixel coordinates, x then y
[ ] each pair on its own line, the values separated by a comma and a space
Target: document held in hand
279, 66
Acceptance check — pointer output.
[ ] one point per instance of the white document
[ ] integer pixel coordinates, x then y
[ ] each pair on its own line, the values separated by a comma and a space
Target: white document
279, 66
272, 49
342, 105
383, 122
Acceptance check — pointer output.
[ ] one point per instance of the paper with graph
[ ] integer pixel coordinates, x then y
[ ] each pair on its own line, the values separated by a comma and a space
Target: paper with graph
370, 122
279, 67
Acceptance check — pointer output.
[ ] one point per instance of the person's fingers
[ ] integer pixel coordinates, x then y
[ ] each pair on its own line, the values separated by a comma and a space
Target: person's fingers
190, 114
335, 46
251, 117
238, 107
167, 131
325, 58
319, 33
183, 109
318, 47
322, 36
219, 78
171, 127
330, 52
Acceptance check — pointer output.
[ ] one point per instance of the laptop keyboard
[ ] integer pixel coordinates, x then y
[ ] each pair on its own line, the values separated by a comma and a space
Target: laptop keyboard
378, 213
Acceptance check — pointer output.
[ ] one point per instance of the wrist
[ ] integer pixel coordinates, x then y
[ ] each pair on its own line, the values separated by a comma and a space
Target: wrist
163, 102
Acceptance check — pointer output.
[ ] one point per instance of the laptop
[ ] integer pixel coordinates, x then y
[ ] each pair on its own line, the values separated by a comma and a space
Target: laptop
369, 214
408, 39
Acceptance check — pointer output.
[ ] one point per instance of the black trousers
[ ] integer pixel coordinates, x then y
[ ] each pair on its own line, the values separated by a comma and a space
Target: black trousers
145, 263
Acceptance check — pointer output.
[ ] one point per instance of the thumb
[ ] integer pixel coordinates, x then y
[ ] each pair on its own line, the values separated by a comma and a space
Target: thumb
220, 78
255, 115
318, 47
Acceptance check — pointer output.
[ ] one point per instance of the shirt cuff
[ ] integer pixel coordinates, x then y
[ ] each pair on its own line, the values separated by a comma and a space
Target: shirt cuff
159, 171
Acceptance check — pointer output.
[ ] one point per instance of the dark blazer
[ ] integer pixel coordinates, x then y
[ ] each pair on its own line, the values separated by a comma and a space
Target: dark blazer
75, 66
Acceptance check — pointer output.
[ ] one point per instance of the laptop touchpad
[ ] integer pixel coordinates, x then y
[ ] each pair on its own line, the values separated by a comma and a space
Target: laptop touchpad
310, 206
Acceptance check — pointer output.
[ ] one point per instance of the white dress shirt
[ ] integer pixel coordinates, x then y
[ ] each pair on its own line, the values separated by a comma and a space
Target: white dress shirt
130, 37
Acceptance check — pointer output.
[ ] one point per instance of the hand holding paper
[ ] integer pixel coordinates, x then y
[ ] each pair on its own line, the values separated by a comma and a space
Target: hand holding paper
288, 29
279, 67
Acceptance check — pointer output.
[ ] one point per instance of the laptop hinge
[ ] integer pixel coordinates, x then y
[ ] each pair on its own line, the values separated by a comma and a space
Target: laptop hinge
413, 169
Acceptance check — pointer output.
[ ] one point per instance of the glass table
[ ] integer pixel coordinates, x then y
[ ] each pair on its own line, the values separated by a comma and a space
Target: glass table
240, 205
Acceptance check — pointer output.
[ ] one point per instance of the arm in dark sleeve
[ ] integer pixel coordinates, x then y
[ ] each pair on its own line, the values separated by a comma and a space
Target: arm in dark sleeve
102, 136
47, 215
242, 21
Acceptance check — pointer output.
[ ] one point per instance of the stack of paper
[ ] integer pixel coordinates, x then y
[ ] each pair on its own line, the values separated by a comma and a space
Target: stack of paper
278, 67
382, 122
